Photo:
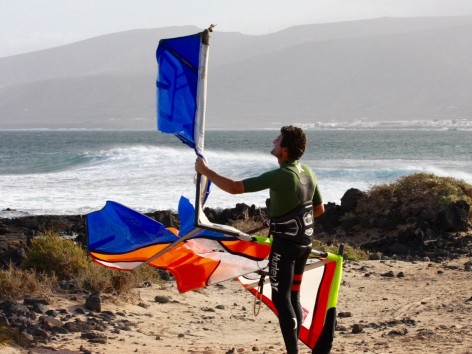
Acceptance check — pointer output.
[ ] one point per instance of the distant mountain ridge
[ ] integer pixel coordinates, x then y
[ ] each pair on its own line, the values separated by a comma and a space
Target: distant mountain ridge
381, 69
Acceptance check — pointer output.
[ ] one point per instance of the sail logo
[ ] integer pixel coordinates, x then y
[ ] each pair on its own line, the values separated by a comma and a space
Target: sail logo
274, 270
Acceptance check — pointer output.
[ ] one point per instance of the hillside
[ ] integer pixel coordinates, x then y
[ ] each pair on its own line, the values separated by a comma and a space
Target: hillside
382, 69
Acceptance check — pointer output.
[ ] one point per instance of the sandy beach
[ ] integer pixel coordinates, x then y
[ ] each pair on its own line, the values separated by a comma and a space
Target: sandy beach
384, 307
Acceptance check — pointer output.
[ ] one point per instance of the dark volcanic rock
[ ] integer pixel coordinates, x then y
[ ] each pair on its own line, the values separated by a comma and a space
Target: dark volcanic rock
94, 302
240, 212
330, 219
350, 198
455, 217
166, 217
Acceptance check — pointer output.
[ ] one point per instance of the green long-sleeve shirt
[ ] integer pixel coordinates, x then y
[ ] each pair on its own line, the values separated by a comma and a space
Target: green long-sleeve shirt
284, 187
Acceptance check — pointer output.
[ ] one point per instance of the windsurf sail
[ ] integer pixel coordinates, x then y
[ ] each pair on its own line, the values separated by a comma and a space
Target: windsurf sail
124, 239
181, 101
318, 297
201, 253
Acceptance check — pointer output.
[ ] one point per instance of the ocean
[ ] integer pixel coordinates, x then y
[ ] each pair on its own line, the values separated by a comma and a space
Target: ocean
59, 172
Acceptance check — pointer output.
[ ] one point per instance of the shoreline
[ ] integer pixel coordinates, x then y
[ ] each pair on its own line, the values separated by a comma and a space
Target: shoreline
423, 234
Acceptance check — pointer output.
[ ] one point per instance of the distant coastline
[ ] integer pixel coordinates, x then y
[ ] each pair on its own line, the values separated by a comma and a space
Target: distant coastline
436, 124
464, 124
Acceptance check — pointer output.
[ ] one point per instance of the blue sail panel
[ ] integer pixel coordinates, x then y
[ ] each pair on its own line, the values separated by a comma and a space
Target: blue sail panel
177, 86
119, 229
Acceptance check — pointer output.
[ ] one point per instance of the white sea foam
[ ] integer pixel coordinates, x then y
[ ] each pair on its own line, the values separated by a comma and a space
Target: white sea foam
149, 177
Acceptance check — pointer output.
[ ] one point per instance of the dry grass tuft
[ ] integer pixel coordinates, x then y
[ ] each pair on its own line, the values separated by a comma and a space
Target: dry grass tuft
350, 253
9, 335
104, 280
15, 283
51, 259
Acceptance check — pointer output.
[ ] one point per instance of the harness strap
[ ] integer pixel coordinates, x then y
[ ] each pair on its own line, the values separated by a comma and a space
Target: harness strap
289, 227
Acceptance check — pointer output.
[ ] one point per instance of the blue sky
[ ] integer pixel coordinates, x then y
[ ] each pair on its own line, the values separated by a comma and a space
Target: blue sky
29, 25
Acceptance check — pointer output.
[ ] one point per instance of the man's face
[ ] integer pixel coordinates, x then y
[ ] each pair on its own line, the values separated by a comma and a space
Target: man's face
277, 150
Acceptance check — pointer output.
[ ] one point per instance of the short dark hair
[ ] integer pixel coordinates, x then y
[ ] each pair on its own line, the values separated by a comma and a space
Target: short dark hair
294, 139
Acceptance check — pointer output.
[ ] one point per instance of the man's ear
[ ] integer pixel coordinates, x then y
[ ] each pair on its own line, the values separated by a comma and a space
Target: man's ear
284, 151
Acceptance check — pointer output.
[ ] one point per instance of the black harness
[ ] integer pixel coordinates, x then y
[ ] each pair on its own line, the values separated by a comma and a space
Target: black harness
297, 225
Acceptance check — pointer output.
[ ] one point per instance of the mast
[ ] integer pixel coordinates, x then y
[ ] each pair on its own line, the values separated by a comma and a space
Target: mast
202, 183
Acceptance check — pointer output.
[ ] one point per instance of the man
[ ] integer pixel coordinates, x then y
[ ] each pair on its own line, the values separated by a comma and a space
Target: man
294, 201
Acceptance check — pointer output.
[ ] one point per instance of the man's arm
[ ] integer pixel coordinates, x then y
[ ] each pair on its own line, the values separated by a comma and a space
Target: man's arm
222, 182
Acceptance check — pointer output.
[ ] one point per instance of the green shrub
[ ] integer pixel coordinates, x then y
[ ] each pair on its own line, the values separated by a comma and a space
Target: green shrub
435, 192
51, 254
410, 194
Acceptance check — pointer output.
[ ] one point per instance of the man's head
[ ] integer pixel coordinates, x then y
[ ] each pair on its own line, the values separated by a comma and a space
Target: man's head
294, 140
